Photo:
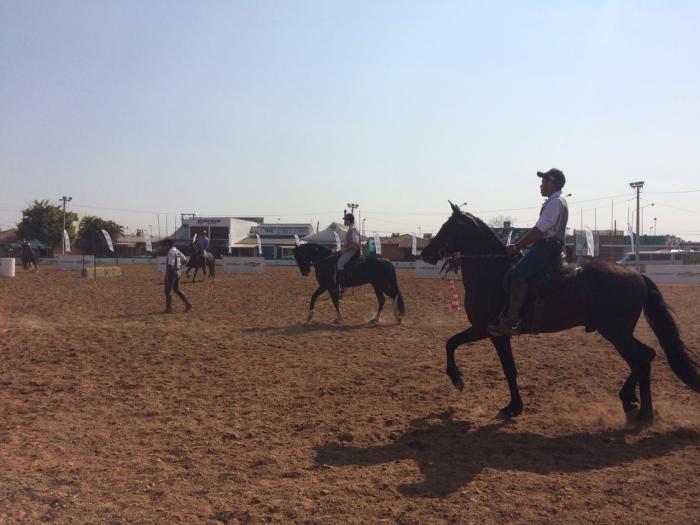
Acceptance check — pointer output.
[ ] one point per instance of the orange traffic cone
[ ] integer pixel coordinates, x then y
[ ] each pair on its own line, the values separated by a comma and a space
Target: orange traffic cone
455, 298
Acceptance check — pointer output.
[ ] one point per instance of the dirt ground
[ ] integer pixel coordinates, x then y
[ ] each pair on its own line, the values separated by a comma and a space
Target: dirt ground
238, 412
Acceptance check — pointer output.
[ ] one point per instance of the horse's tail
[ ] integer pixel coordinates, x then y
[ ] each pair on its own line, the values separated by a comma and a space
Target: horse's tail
395, 290
212, 266
659, 317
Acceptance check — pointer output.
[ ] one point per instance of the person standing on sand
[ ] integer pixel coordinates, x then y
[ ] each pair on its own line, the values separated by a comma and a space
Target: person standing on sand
173, 264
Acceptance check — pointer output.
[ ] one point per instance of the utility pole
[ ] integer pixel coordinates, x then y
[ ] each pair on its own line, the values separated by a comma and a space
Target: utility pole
637, 186
352, 207
63, 242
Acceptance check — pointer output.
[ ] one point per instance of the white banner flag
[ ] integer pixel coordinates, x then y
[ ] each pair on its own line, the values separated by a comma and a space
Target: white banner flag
259, 244
414, 245
630, 233
230, 244
589, 241
377, 244
66, 241
296, 240
109, 240
149, 244
337, 241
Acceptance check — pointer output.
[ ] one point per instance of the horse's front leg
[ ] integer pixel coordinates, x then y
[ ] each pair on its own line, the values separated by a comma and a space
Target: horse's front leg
467, 336
505, 354
314, 296
336, 302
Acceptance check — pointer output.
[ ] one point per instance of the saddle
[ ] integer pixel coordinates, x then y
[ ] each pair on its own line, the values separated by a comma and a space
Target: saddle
557, 276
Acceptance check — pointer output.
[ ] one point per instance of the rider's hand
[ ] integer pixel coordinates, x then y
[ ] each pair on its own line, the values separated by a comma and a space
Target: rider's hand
511, 249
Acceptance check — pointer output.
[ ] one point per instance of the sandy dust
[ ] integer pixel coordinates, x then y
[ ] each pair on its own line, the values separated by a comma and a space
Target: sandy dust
237, 412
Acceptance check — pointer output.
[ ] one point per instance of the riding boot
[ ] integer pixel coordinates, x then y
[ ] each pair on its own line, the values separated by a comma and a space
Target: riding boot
509, 321
168, 304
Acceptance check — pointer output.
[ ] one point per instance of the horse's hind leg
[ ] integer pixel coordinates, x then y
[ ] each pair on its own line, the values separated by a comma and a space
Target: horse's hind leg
638, 357
646, 408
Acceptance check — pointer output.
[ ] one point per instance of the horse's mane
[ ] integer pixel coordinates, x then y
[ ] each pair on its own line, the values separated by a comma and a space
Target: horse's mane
489, 236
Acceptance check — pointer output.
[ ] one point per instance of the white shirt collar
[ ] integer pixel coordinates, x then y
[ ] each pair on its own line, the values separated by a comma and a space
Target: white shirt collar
554, 195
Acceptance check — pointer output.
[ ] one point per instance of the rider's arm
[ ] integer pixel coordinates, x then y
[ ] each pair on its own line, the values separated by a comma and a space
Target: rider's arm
533, 235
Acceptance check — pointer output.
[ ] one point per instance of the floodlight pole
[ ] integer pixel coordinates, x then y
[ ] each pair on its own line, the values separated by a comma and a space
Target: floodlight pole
63, 241
637, 186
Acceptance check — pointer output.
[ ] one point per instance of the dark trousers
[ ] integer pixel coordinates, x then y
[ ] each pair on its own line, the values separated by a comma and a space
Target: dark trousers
172, 283
542, 255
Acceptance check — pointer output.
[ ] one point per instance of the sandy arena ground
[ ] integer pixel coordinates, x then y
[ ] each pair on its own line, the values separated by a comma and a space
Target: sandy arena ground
237, 412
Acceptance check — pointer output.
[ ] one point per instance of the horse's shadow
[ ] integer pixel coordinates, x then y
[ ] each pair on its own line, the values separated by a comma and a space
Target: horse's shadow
301, 329
450, 453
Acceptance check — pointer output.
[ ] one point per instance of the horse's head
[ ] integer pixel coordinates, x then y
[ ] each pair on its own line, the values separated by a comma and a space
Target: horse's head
462, 233
302, 260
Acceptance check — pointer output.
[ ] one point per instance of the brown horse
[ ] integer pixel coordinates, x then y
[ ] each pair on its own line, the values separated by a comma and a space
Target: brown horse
196, 261
603, 297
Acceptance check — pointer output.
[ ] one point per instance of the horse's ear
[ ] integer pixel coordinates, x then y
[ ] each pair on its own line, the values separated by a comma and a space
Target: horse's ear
455, 208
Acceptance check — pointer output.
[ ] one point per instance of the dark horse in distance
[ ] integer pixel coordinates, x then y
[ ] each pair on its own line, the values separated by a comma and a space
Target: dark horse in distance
378, 272
27, 256
196, 261
603, 297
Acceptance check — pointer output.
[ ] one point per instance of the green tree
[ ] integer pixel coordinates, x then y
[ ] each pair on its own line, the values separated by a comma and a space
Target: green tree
44, 221
90, 237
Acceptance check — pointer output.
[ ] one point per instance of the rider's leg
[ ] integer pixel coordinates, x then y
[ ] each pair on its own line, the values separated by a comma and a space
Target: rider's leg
535, 262
340, 274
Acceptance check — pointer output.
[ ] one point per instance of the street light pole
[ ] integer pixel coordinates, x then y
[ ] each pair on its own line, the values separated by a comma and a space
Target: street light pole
637, 186
63, 241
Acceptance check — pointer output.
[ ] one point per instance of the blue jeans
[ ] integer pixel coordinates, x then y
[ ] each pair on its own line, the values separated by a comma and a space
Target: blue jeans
542, 255
345, 259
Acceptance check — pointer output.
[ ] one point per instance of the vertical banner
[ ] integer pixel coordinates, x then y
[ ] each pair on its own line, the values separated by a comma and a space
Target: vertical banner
510, 238
589, 241
230, 244
149, 244
109, 240
66, 241
414, 245
260, 244
377, 244
630, 234
337, 241
296, 240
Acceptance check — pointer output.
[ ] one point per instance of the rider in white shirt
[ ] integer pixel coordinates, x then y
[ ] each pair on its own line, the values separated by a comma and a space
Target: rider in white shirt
351, 247
549, 238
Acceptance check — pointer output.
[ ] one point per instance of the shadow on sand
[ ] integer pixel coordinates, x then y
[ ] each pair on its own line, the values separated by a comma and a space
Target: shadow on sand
303, 328
451, 453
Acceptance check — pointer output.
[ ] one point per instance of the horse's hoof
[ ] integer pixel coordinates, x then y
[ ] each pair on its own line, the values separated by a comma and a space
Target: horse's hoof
373, 322
631, 415
459, 385
644, 419
510, 411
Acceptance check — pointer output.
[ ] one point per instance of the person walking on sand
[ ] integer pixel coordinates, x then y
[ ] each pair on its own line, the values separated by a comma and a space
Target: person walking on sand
173, 264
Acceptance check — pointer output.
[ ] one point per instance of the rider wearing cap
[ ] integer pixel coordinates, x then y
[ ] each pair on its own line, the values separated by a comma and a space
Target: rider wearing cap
202, 243
549, 238
351, 247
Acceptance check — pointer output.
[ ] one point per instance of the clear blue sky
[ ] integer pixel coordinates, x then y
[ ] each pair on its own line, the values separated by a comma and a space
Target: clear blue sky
292, 109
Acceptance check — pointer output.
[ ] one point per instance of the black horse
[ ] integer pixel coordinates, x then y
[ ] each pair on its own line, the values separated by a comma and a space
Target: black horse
378, 272
27, 257
196, 261
603, 297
